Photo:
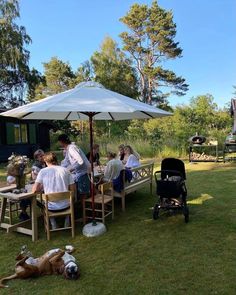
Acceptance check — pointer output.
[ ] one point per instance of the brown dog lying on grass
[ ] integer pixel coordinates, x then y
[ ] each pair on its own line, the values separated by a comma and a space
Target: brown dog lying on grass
55, 261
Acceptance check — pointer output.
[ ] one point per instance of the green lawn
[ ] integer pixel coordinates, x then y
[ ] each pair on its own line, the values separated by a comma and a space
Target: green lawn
141, 256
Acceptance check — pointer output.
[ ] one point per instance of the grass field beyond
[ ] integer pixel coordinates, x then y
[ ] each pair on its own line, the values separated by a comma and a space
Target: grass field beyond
140, 256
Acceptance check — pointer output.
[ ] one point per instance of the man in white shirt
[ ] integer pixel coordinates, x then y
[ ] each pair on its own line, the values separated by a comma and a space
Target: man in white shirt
77, 163
54, 179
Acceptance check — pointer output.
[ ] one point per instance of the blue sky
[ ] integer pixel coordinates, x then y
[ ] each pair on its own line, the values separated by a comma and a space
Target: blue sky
206, 29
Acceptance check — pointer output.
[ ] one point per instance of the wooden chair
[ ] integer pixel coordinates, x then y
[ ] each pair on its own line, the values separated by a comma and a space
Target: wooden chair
13, 208
103, 203
54, 197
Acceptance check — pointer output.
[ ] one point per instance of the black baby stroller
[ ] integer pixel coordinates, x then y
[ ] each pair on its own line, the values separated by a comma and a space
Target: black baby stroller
171, 188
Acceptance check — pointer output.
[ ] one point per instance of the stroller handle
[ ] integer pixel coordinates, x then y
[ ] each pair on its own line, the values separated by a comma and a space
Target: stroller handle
177, 173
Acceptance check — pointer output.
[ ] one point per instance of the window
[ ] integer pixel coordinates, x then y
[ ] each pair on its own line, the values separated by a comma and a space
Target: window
24, 135
16, 133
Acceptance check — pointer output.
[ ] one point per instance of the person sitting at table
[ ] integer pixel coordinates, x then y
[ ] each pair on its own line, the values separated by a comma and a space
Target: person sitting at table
36, 167
131, 157
121, 153
113, 168
77, 163
11, 180
96, 156
54, 179
38, 164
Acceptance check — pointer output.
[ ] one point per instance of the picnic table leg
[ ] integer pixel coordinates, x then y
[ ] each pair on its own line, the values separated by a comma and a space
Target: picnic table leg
123, 202
34, 219
3, 209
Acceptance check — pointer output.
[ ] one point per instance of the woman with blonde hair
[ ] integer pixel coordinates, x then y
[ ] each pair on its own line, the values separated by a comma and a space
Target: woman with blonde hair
131, 157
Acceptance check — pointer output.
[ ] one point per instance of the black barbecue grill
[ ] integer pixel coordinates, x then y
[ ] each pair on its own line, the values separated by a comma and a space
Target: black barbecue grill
199, 151
197, 139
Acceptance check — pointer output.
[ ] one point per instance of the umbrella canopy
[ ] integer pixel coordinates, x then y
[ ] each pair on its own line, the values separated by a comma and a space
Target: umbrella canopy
87, 101
86, 97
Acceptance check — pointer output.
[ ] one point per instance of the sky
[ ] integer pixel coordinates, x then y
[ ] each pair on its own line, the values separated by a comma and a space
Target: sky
73, 30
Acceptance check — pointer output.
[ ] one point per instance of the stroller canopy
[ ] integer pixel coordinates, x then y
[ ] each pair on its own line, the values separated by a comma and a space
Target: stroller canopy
173, 165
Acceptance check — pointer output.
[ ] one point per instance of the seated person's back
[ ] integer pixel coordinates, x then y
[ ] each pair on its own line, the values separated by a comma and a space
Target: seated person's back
54, 179
113, 168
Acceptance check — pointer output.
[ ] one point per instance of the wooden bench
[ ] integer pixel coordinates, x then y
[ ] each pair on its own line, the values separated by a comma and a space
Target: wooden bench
142, 175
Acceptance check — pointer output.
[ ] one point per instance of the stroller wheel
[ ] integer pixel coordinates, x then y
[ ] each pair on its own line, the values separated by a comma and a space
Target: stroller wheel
155, 213
186, 214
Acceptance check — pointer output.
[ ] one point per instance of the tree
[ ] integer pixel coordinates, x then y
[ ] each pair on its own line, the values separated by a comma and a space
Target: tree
150, 41
15, 73
202, 115
113, 69
58, 77
84, 72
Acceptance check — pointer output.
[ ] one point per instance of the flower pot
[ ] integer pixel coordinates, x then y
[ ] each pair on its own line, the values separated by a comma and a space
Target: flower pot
20, 181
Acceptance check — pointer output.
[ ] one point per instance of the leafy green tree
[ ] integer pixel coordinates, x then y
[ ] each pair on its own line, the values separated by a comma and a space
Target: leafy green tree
58, 77
136, 130
84, 73
34, 82
202, 115
150, 41
15, 73
113, 70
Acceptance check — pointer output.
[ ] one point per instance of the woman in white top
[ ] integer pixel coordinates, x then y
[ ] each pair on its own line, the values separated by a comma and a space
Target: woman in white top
132, 157
113, 168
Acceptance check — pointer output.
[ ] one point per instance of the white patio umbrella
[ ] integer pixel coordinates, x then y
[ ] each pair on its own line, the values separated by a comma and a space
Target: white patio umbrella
87, 101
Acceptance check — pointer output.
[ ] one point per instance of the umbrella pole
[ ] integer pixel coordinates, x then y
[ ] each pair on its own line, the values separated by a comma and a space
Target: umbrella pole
91, 161
94, 228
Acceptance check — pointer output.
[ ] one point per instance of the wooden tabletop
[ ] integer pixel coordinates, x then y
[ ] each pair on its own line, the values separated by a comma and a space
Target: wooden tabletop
6, 192
17, 197
7, 188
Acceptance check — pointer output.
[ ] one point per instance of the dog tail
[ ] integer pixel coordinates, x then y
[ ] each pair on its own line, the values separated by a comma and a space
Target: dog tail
7, 279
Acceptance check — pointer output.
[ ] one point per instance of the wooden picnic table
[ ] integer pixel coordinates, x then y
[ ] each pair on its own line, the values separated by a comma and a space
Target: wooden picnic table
6, 194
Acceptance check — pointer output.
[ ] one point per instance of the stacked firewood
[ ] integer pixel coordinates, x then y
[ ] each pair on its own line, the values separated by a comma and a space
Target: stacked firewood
202, 157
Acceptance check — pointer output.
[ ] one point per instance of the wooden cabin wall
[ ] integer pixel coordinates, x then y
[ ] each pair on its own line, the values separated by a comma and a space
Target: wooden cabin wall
37, 137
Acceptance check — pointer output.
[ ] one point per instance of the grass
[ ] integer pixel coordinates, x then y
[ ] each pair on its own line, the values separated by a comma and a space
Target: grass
141, 256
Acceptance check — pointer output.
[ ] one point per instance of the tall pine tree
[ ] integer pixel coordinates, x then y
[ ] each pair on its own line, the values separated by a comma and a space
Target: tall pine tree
150, 41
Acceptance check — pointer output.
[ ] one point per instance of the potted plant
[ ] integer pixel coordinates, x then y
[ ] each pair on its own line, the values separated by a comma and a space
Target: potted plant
16, 167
